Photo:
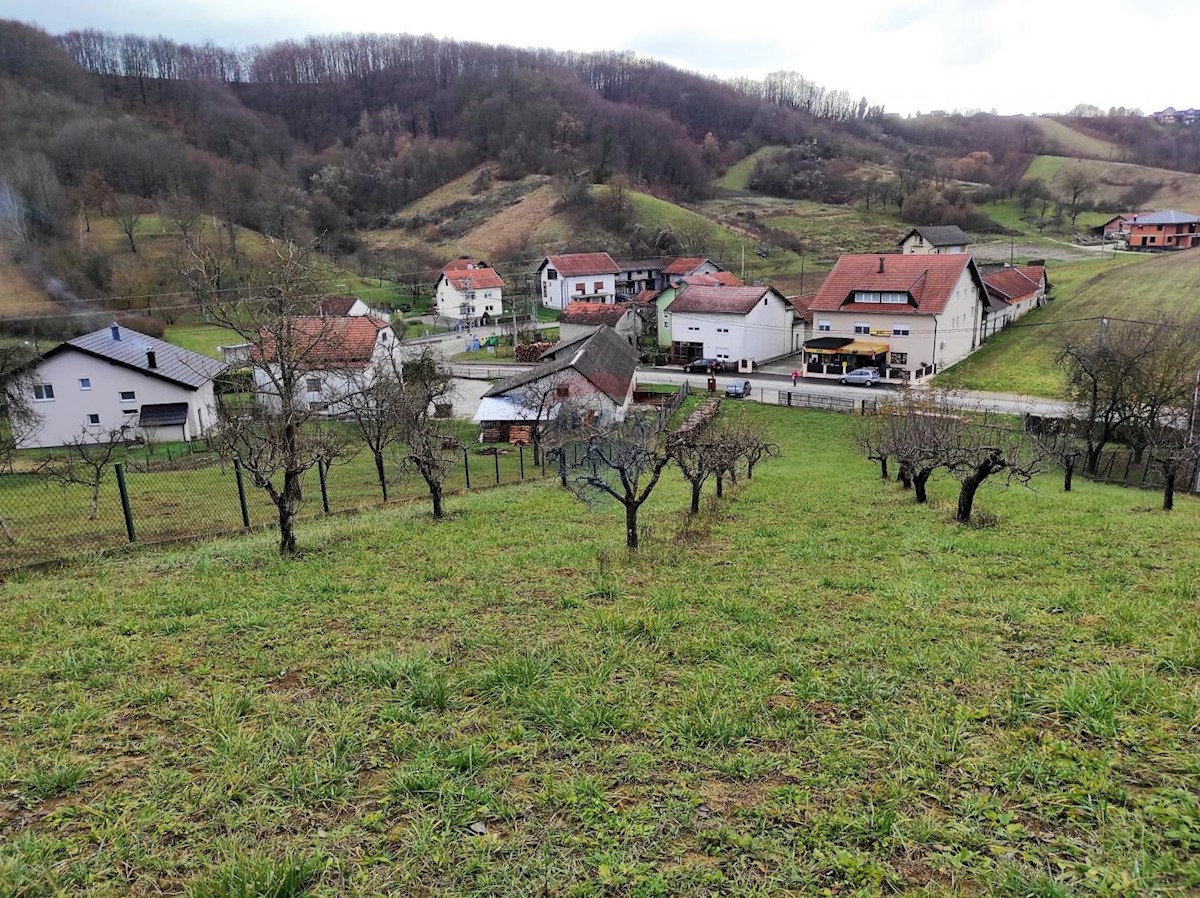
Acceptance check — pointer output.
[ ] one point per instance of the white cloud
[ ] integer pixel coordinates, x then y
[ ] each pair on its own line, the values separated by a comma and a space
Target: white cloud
1012, 55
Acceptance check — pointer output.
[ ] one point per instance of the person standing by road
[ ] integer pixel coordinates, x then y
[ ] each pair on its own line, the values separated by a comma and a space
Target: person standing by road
795, 376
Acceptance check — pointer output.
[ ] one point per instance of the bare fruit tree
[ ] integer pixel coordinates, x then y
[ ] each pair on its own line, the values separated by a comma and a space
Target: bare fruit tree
427, 447
85, 462
128, 214
375, 407
1174, 446
277, 436
916, 429
982, 450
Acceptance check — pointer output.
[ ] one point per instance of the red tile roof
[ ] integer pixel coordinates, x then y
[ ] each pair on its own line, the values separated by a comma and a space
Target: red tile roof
594, 313
1036, 273
718, 300
576, 264
801, 305
716, 279
685, 264
335, 305
331, 342
471, 274
645, 297
1011, 284
928, 279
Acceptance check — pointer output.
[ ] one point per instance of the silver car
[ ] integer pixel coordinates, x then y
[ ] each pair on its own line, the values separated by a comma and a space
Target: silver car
868, 377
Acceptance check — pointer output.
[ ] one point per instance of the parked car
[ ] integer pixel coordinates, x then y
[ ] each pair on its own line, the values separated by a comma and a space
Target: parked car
868, 377
738, 390
703, 366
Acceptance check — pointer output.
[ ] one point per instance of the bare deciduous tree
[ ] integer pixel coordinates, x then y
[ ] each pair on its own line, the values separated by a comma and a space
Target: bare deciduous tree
128, 214
375, 406
278, 437
1174, 445
916, 429
428, 449
981, 450
85, 461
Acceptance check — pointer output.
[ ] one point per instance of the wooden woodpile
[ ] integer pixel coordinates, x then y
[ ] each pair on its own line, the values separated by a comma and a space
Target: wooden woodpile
520, 434
531, 352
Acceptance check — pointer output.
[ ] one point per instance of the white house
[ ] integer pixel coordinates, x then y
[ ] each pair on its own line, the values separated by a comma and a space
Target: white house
582, 318
118, 379
468, 290
908, 315
577, 277
742, 326
340, 357
934, 240
1012, 292
593, 375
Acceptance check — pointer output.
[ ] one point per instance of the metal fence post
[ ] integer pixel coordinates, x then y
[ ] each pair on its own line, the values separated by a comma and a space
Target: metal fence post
521, 456
496, 457
125, 509
466, 469
322, 470
241, 487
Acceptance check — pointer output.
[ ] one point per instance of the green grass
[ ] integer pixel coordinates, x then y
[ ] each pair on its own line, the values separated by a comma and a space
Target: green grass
737, 176
1021, 358
1045, 167
1075, 141
202, 338
817, 687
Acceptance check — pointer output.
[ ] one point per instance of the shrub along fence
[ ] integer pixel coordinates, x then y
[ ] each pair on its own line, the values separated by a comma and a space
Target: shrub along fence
197, 494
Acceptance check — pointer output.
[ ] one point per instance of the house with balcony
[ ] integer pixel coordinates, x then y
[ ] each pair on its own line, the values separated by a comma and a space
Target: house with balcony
910, 316
1167, 230
576, 277
639, 275
469, 290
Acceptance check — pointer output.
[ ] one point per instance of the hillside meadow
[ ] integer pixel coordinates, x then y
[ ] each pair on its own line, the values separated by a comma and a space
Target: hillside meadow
816, 687
1125, 285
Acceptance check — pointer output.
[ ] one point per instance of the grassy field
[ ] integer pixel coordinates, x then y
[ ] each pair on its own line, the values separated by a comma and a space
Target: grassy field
201, 338
1074, 141
1021, 358
1175, 190
1045, 168
737, 176
815, 688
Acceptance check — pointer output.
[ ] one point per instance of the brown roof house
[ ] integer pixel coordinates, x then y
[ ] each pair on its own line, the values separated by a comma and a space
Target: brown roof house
593, 376
577, 277
908, 315
742, 326
582, 318
1012, 291
469, 290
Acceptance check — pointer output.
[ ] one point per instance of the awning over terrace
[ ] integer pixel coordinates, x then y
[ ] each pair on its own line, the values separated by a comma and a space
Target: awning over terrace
864, 347
827, 345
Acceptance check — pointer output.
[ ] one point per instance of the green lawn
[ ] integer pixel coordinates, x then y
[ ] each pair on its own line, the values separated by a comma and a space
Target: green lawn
202, 338
1045, 167
816, 688
1021, 358
737, 176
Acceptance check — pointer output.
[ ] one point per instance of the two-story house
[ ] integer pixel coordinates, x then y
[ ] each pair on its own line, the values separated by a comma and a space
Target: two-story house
577, 277
934, 240
469, 290
908, 315
1170, 229
639, 275
685, 266
119, 380
628, 319
741, 326
1012, 291
340, 356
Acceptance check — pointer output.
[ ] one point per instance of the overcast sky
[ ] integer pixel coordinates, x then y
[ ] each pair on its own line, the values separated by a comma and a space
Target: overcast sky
1010, 55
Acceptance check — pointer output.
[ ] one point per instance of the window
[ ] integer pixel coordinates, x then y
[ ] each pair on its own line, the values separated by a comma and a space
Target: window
765, 298
899, 330
822, 325
860, 328
722, 330
898, 358
580, 287
85, 383
551, 274
563, 390
43, 392
94, 420
313, 384
866, 297
894, 298
598, 287
128, 396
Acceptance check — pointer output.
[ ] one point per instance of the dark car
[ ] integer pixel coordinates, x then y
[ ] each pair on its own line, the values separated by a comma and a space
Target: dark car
868, 377
703, 366
738, 390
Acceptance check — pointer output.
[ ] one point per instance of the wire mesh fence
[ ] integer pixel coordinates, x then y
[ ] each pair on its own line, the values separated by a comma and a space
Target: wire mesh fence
191, 492
1127, 467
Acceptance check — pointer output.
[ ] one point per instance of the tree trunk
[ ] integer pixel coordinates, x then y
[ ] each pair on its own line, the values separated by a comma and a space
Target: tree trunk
1068, 474
720, 486
435, 494
1092, 461
966, 497
696, 486
749, 470
1169, 491
288, 503
631, 528
919, 480
382, 475
562, 466
883, 467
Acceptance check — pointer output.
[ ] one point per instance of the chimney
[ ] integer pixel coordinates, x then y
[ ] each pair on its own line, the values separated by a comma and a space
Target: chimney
151, 359
115, 330
881, 264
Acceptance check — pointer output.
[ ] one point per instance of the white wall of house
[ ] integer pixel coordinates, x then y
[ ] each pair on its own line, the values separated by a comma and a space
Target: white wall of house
557, 291
323, 390
664, 317
764, 332
65, 416
451, 302
916, 245
920, 340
